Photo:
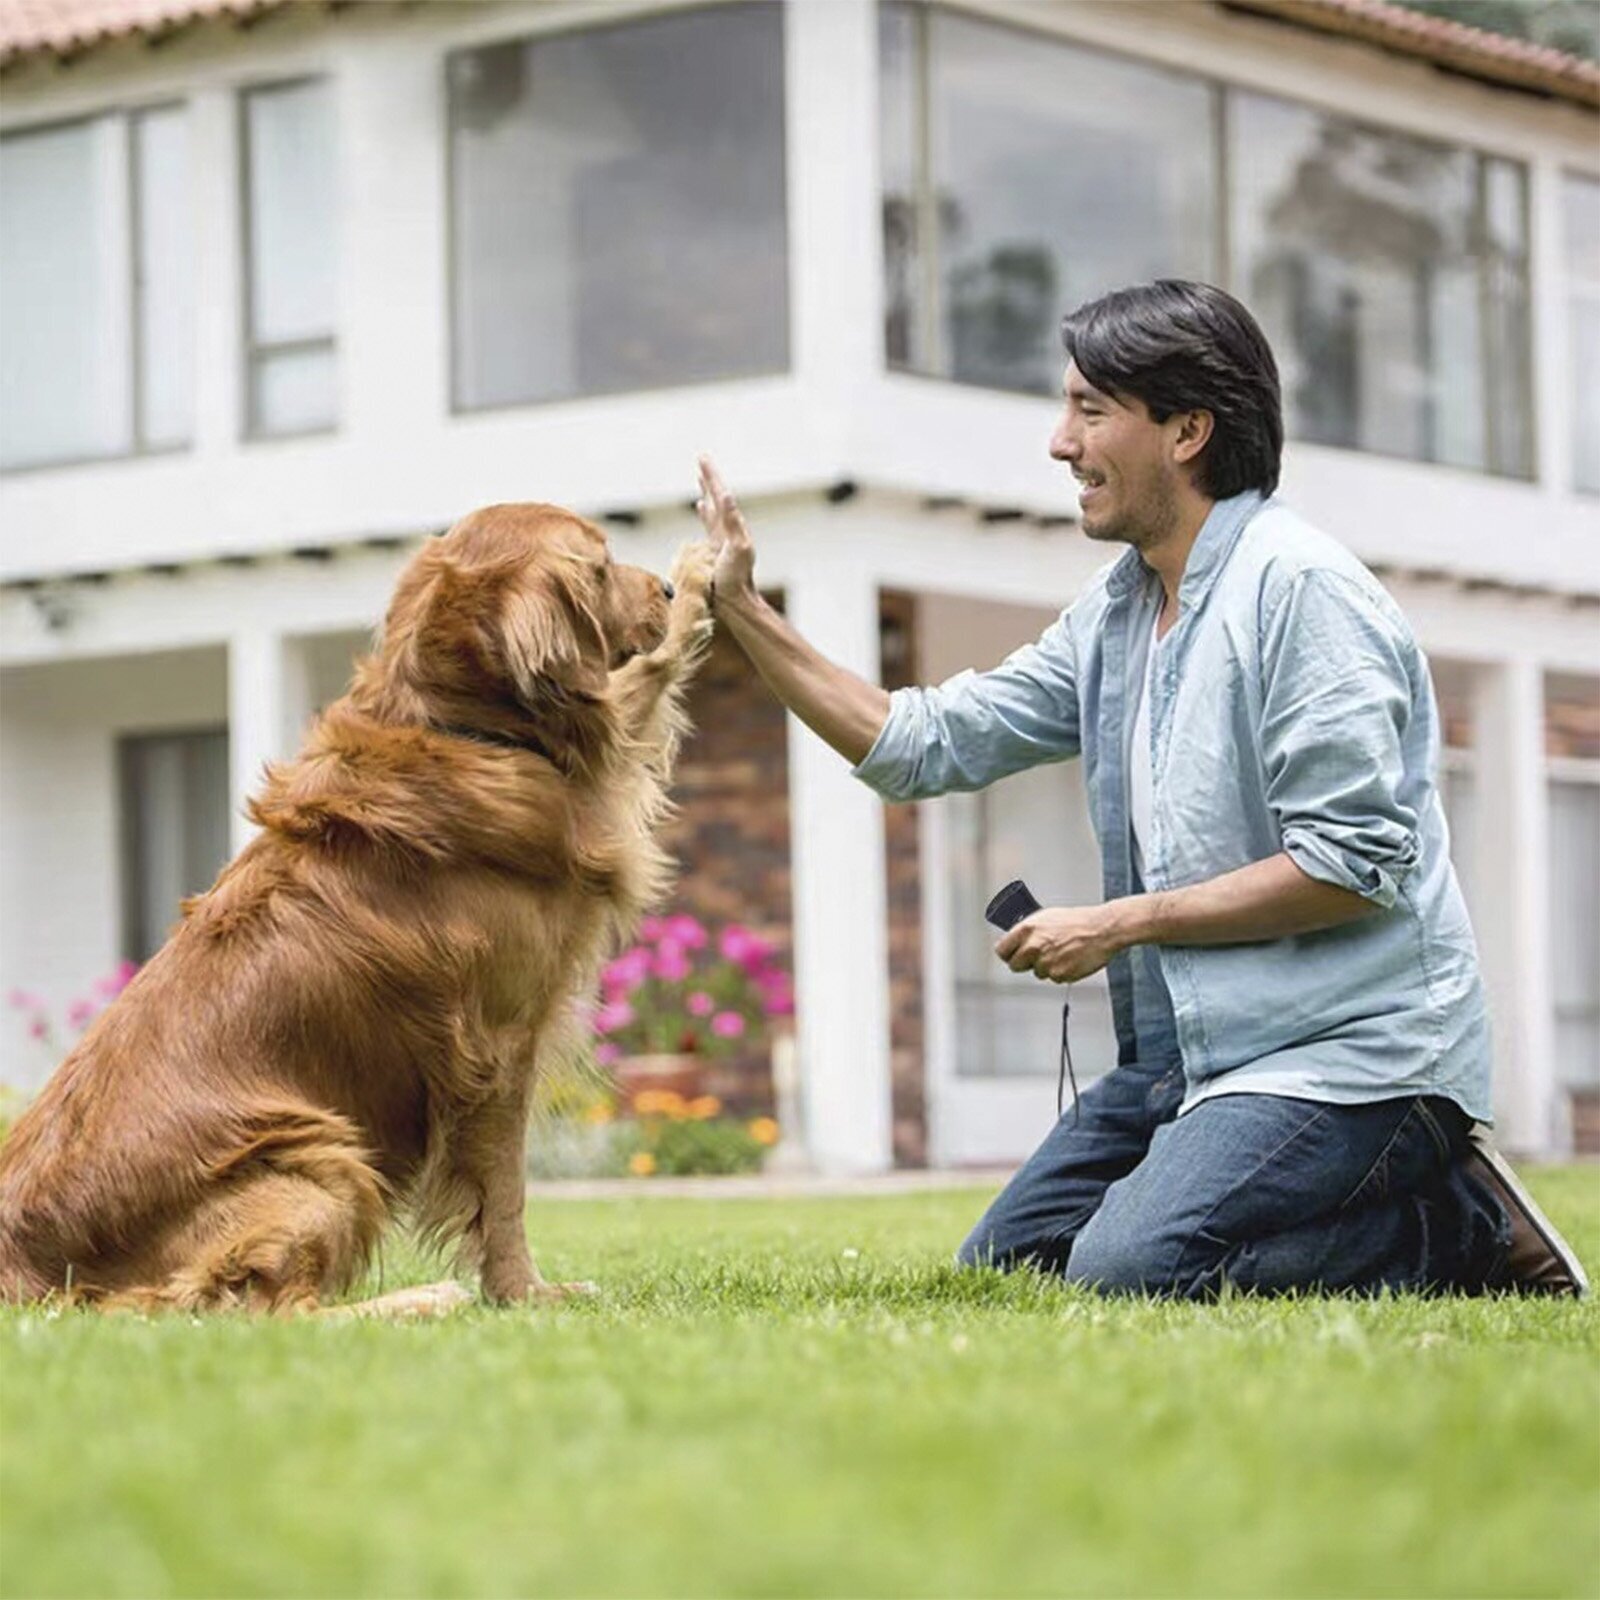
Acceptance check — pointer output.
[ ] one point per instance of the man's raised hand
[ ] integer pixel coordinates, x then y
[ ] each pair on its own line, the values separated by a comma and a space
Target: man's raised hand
733, 576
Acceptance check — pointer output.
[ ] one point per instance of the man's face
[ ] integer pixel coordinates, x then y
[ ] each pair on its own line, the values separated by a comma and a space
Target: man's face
1123, 460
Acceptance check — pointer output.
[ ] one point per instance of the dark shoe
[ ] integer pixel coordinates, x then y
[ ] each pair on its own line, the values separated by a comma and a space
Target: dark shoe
1541, 1261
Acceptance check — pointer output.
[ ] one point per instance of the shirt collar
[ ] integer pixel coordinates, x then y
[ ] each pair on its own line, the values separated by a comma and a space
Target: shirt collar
1219, 533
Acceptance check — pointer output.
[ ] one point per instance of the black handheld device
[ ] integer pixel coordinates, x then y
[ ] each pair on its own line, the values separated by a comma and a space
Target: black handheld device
1009, 906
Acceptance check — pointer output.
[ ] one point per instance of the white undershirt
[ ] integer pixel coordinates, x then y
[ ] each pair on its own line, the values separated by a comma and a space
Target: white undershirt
1139, 776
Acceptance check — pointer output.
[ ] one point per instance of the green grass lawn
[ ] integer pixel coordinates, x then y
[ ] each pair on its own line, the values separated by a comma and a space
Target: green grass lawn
802, 1398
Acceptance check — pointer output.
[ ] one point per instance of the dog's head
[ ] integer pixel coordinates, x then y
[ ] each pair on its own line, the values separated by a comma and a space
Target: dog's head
517, 616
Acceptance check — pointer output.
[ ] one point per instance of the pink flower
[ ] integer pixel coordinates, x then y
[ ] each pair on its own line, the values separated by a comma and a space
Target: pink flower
777, 995
116, 981
81, 1013
671, 962
687, 931
748, 949
700, 1004
24, 1001
652, 928
607, 1053
727, 1024
38, 1028
627, 972
612, 1015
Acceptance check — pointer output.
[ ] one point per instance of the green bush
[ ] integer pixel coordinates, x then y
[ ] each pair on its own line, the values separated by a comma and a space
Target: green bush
686, 1147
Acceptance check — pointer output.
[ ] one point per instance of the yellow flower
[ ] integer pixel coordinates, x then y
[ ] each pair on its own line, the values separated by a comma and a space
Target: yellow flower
703, 1106
599, 1113
659, 1103
763, 1130
641, 1164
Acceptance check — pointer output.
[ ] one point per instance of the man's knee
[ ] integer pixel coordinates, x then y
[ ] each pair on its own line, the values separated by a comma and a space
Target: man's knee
1112, 1262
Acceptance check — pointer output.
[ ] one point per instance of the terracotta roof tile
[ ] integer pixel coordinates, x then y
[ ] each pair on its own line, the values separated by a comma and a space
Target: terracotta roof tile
67, 27
1476, 52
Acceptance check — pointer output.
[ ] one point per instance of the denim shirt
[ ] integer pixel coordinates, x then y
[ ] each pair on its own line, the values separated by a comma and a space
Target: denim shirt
1290, 710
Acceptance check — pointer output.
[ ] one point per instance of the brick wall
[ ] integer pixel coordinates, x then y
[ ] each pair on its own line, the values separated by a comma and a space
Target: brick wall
731, 837
731, 840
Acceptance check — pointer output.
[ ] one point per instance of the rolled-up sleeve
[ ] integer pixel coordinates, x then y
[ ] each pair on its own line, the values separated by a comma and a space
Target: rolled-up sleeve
979, 726
1337, 698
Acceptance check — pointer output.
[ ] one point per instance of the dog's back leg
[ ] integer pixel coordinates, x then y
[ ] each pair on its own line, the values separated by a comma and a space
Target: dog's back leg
294, 1212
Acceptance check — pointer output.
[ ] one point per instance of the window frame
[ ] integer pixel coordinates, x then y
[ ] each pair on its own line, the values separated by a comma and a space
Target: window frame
131, 115
253, 351
523, 34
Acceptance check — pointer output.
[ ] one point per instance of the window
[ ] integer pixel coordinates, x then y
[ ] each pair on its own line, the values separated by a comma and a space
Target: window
97, 291
1391, 276
1022, 176
617, 208
174, 828
1580, 208
291, 250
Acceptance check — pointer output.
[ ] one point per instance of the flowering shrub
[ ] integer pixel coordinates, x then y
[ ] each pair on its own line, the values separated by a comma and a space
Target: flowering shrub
41, 1023
669, 1133
676, 992
675, 1137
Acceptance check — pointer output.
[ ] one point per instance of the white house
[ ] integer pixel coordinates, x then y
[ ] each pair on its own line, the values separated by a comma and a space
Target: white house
285, 288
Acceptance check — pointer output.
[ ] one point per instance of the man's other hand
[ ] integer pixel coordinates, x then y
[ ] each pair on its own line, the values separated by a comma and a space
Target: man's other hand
733, 576
1061, 943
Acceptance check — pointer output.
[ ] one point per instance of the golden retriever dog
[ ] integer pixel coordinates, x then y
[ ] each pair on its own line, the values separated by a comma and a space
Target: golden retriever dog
348, 1024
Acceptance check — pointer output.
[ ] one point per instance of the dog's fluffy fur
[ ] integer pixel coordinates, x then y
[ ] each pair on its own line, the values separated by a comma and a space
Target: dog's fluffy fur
349, 1022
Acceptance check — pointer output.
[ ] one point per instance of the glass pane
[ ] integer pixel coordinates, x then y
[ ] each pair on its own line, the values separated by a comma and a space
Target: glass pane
1575, 930
293, 391
898, 97
1586, 393
65, 294
1581, 228
289, 140
1390, 274
618, 207
1580, 219
175, 829
165, 262
1055, 174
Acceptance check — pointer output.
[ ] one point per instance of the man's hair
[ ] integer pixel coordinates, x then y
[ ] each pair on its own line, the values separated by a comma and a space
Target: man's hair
1181, 346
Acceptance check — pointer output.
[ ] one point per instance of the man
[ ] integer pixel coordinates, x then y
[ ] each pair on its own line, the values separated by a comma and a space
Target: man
1303, 1038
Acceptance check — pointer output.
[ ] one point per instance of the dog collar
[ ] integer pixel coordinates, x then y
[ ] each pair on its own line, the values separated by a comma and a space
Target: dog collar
506, 741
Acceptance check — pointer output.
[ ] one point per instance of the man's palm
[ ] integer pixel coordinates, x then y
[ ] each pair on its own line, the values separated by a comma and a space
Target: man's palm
724, 523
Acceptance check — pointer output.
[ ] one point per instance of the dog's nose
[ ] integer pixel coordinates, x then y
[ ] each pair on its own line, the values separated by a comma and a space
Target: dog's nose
667, 589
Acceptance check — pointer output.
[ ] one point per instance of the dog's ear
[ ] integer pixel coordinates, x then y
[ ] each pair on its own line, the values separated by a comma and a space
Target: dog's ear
549, 634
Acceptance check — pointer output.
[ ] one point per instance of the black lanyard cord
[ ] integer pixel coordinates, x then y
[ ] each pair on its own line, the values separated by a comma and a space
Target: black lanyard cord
1066, 1071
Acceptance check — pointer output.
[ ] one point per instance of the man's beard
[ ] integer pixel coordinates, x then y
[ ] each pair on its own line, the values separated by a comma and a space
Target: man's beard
1141, 525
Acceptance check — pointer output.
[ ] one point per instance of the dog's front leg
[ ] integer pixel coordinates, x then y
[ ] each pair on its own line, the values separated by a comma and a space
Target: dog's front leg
491, 1149
646, 690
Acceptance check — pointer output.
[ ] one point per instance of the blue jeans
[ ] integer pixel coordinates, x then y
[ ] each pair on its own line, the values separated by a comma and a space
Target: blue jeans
1262, 1192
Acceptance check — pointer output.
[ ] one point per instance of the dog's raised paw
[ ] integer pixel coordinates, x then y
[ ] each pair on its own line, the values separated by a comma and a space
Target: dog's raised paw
692, 568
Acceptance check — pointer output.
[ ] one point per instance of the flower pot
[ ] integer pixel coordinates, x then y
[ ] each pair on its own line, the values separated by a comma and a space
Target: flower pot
676, 1074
